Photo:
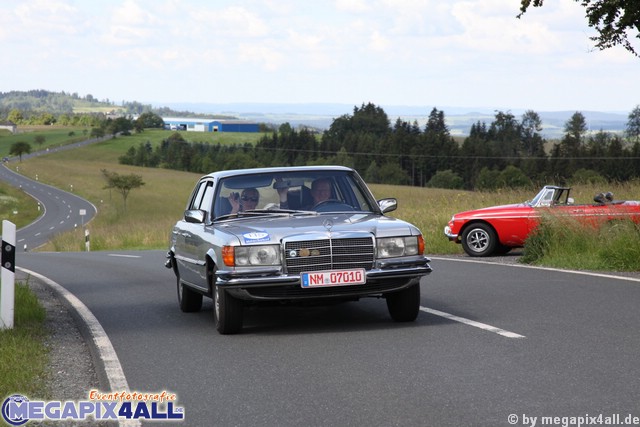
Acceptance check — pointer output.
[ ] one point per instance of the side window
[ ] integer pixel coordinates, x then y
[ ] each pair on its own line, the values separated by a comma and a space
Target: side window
547, 198
207, 199
198, 194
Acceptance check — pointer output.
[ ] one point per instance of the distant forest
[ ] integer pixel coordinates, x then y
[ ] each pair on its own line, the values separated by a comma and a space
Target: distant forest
42, 107
507, 152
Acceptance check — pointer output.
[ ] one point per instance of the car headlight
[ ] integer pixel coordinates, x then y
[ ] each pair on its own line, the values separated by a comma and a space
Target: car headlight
251, 255
390, 247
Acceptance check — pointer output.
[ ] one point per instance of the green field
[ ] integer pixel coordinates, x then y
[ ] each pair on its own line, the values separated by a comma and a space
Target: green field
54, 137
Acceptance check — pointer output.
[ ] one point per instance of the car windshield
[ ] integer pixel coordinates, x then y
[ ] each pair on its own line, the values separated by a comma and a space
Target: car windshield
543, 198
313, 190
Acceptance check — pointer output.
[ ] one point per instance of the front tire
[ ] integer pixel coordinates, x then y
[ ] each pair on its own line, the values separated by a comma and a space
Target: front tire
228, 311
479, 240
189, 300
404, 305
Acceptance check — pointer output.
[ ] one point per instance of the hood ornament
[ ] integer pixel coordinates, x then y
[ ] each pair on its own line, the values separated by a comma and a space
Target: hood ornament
328, 224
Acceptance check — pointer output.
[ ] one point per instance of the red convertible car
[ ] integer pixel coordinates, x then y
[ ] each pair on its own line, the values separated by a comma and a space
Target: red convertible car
498, 229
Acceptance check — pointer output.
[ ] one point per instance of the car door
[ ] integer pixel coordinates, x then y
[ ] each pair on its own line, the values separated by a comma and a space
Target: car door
191, 240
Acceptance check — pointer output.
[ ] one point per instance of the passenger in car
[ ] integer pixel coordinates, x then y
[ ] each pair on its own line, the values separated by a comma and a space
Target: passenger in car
246, 201
320, 191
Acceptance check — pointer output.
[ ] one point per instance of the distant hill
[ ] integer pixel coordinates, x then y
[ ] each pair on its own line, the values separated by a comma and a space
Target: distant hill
316, 115
56, 103
52, 102
459, 119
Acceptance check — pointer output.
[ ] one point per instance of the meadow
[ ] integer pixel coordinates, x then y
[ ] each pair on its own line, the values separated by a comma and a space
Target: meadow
54, 136
154, 208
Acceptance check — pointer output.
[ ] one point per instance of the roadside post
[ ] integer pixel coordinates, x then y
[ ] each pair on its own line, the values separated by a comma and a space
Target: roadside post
87, 244
7, 284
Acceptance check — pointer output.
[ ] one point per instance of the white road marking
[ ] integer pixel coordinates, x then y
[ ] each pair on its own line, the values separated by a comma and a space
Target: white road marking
473, 323
559, 270
125, 256
98, 339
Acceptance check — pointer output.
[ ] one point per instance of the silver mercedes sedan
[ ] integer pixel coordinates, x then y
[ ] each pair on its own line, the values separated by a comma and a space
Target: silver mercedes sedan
312, 234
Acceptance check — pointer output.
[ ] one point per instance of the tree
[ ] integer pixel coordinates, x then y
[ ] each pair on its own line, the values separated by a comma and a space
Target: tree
120, 125
97, 132
39, 139
19, 148
633, 125
613, 20
446, 179
15, 116
535, 160
122, 183
149, 120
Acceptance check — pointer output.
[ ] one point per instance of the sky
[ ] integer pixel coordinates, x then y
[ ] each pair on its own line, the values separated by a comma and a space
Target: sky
434, 53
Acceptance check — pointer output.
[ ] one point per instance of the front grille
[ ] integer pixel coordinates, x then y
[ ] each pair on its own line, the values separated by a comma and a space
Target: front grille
329, 254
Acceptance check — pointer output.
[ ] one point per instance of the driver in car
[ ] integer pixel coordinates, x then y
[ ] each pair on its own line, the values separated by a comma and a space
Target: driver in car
246, 201
320, 191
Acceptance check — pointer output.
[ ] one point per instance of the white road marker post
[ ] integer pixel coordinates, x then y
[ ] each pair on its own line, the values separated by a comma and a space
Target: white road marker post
87, 243
7, 284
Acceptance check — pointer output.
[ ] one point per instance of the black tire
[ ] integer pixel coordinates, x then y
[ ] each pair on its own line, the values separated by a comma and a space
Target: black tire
404, 305
479, 240
228, 311
189, 300
502, 249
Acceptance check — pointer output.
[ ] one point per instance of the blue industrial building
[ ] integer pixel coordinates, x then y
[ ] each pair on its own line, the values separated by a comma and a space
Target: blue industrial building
209, 125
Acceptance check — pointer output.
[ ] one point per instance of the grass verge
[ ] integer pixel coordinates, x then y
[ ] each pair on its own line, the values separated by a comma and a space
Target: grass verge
16, 206
567, 243
23, 354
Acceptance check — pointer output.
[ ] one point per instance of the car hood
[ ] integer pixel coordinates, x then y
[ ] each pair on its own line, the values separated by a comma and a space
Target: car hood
493, 210
274, 228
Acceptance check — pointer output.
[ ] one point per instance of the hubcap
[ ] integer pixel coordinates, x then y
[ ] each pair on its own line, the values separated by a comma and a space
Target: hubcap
216, 302
477, 240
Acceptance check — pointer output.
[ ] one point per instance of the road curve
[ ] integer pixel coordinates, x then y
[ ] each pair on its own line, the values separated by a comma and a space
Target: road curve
60, 210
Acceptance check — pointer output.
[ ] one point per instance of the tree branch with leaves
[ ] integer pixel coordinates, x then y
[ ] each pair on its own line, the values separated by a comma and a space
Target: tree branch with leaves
615, 21
122, 183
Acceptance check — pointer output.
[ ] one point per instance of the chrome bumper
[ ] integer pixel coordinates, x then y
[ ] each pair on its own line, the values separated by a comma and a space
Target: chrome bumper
449, 234
387, 269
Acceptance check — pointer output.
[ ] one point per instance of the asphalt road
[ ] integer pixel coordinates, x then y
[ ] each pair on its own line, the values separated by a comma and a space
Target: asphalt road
60, 210
575, 352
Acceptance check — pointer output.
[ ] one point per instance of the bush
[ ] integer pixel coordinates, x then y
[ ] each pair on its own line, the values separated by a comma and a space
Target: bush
567, 243
446, 179
587, 176
488, 179
512, 177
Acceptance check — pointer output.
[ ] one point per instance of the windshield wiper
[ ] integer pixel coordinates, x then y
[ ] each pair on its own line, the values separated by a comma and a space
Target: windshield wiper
263, 212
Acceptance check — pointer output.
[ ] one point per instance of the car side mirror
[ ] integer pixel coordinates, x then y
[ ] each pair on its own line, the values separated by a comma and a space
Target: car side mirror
387, 205
195, 216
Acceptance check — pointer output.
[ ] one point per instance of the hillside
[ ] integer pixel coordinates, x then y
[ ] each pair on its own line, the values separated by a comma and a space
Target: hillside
56, 103
315, 115
44, 101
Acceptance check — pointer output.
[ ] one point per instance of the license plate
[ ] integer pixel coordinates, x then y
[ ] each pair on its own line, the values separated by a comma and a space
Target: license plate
315, 279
